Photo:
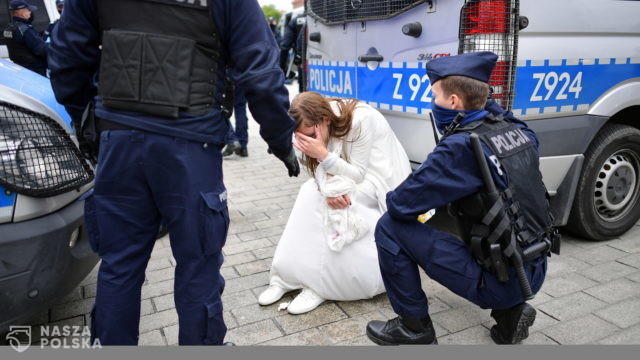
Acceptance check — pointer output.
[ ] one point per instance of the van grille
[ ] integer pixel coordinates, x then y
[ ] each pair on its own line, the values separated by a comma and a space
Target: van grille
342, 11
37, 156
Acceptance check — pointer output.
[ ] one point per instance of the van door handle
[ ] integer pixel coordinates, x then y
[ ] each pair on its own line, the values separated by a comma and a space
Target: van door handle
372, 57
314, 36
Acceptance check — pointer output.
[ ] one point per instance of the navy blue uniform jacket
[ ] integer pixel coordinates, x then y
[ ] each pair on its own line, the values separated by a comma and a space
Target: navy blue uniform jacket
449, 173
248, 44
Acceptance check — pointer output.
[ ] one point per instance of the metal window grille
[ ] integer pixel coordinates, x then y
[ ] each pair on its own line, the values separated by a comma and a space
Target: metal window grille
342, 11
492, 25
37, 156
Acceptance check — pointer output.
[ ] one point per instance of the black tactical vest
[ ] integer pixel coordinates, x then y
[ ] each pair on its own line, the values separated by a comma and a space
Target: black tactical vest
524, 201
517, 157
159, 57
19, 53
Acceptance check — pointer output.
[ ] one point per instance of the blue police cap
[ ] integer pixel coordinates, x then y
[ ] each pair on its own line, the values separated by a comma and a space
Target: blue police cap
59, 3
476, 65
21, 4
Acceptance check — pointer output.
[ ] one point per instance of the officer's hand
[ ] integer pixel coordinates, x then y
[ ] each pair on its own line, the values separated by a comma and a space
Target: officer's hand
291, 162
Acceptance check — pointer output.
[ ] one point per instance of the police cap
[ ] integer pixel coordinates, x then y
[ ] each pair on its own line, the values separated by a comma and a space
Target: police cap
59, 3
21, 4
476, 65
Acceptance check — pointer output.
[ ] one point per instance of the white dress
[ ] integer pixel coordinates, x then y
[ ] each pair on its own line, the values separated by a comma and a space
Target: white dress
377, 163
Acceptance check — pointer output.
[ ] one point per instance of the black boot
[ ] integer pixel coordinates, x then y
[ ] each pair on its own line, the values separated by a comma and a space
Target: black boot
230, 149
402, 331
512, 325
242, 151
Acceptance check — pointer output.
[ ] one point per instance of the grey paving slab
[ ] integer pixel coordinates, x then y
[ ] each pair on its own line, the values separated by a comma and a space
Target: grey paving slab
158, 320
562, 265
631, 260
171, 334
476, 335
634, 277
630, 241
151, 338
349, 328
608, 271
164, 302
538, 339
247, 282
615, 291
353, 308
308, 337
627, 336
253, 267
565, 285
583, 330
324, 314
458, 319
245, 257
572, 306
623, 314
599, 255
238, 299
255, 333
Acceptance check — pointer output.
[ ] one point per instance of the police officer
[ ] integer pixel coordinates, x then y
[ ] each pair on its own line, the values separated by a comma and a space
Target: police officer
161, 66
451, 175
293, 39
26, 47
49, 30
238, 137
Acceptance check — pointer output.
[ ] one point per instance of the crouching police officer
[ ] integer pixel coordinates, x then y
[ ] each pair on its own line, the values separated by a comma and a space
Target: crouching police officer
160, 66
26, 47
483, 178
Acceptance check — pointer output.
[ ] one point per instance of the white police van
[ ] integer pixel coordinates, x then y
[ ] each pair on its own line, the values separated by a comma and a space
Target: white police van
570, 68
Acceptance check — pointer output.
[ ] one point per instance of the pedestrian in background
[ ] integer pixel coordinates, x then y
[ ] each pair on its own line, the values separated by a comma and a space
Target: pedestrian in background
25, 45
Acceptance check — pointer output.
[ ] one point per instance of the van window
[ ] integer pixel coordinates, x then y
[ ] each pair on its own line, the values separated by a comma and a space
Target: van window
342, 11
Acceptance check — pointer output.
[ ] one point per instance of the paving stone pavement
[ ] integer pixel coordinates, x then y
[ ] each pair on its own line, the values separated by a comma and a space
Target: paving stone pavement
591, 295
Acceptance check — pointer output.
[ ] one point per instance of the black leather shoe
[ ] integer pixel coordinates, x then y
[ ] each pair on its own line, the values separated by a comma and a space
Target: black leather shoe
242, 151
230, 149
512, 325
402, 331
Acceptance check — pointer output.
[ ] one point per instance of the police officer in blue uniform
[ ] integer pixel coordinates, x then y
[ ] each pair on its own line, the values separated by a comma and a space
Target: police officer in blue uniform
49, 30
471, 244
159, 66
25, 45
293, 39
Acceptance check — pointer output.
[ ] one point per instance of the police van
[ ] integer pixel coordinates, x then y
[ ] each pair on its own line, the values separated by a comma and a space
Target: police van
44, 250
570, 69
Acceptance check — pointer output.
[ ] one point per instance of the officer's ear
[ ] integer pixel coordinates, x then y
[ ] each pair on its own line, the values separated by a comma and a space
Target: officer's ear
455, 102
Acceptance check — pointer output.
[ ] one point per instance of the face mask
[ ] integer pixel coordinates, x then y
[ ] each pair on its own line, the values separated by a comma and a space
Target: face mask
444, 116
32, 17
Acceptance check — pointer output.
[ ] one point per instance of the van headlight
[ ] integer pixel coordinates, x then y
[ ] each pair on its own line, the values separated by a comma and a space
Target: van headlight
37, 156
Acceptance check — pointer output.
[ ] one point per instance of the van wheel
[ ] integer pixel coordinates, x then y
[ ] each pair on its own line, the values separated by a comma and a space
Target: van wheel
606, 203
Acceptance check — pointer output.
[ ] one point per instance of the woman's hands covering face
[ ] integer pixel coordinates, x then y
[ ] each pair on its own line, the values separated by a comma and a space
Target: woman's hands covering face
312, 146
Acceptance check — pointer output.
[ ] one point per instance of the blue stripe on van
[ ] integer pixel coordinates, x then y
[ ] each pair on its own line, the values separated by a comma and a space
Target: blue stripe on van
6, 200
542, 86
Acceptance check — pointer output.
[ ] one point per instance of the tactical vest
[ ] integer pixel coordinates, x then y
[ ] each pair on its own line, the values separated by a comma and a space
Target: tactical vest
159, 57
524, 202
19, 53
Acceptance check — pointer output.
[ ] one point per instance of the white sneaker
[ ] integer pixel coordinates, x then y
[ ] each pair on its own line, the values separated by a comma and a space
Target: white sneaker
306, 301
271, 295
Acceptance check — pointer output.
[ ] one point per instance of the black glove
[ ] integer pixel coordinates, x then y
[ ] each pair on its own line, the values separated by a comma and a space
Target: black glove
290, 161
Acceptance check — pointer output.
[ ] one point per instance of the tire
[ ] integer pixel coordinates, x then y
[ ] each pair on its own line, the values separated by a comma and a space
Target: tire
606, 203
